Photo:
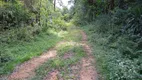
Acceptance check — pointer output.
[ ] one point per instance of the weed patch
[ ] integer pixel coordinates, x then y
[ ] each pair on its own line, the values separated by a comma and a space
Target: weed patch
14, 54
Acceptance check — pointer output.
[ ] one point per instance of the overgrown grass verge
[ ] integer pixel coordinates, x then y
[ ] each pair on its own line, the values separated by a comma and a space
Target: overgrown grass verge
14, 51
59, 63
14, 54
118, 56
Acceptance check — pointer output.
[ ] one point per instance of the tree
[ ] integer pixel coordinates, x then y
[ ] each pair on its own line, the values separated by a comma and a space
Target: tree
54, 5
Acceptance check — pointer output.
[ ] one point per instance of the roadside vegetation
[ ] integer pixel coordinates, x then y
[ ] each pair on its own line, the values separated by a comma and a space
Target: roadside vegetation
114, 31
117, 55
27, 29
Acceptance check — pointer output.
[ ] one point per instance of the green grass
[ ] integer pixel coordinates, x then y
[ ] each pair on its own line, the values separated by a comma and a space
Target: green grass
73, 34
19, 53
63, 49
14, 52
59, 62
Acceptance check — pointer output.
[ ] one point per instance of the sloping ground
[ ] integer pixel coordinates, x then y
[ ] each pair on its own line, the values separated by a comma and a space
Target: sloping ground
72, 63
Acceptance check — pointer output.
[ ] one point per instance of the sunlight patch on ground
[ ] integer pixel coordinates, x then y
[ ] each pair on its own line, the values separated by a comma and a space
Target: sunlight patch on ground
64, 44
62, 33
59, 34
51, 53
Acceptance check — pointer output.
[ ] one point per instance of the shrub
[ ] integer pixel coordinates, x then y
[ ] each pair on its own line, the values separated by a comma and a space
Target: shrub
131, 19
4, 56
13, 15
116, 53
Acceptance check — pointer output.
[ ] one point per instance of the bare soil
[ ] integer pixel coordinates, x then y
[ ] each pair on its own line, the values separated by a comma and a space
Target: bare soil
88, 71
68, 55
52, 75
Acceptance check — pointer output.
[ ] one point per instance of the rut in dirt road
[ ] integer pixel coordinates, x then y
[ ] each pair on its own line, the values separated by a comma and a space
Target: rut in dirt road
26, 70
88, 71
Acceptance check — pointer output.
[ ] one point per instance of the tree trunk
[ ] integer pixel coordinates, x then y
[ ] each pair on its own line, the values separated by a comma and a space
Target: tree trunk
91, 2
121, 4
112, 4
54, 5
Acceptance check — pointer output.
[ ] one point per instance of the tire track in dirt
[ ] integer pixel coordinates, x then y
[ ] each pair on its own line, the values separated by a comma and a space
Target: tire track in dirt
88, 71
53, 75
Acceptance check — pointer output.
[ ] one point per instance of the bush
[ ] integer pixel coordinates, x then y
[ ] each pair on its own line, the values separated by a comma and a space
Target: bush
13, 15
116, 53
4, 57
131, 20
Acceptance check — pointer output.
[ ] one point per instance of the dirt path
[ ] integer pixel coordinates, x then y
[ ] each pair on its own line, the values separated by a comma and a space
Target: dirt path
88, 71
84, 70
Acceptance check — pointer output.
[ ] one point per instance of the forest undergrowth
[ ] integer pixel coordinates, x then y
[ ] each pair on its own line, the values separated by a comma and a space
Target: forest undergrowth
117, 55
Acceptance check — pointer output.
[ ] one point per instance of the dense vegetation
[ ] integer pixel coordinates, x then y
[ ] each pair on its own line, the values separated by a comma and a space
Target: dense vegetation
28, 28
114, 27
115, 32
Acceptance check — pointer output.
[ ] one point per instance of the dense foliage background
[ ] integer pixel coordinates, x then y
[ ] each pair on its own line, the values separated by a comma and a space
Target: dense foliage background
25, 25
115, 29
